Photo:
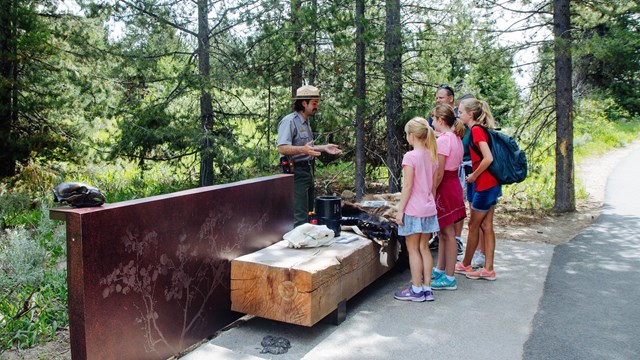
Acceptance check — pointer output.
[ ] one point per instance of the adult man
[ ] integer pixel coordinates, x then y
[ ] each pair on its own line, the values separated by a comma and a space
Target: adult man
444, 95
295, 140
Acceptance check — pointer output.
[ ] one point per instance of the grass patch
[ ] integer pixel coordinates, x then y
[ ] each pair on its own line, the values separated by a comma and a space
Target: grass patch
596, 131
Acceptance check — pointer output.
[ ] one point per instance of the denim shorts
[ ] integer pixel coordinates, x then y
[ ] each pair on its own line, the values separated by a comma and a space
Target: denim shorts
469, 191
483, 200
418, 225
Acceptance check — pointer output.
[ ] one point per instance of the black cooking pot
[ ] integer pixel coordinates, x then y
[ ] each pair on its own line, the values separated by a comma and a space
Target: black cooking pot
329, 212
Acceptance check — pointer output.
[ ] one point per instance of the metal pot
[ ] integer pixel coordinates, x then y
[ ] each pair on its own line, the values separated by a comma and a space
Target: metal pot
329, 212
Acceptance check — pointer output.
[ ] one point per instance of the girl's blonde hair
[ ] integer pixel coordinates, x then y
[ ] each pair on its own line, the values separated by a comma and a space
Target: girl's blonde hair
481, 112
420, 128
446, 113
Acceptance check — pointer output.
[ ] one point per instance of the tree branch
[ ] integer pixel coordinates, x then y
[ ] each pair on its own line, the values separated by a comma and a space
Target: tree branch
159, 18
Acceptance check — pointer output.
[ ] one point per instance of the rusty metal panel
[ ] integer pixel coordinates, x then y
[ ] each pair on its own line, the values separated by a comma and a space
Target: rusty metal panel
148, 278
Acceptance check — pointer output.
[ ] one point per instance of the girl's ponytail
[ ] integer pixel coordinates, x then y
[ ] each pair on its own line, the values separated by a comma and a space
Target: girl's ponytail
446, 113
420, 128
486, 118
431, 145
480, 110
459, 129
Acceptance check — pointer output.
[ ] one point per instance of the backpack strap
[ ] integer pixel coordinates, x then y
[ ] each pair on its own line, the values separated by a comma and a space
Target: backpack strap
473, 146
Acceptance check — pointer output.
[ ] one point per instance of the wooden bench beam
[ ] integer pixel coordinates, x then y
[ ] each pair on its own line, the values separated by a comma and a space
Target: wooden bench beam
303, 286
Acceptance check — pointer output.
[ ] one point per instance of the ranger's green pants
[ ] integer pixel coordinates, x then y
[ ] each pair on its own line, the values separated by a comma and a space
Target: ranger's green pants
303, 194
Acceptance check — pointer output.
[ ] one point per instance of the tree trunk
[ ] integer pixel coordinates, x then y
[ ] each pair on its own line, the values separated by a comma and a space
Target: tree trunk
564, 192
8, 88
206, 108
393, 82
296, 69
360, 93
312, 57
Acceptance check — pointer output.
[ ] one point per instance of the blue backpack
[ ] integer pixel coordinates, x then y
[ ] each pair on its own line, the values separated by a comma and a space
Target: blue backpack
509, 162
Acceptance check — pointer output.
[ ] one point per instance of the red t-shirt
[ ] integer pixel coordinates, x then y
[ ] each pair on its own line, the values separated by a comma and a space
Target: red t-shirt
485, 180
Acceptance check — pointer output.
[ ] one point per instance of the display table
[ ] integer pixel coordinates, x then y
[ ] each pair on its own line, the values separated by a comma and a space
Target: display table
302, 286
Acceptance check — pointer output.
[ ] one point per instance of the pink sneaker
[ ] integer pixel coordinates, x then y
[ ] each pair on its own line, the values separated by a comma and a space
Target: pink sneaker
461, 269
482, 274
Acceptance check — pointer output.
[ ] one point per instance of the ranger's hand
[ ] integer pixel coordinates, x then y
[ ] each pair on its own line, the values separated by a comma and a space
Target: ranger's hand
310, 150
332, 149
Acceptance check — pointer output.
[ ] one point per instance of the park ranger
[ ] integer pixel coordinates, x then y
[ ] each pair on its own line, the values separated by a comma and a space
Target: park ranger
295, 141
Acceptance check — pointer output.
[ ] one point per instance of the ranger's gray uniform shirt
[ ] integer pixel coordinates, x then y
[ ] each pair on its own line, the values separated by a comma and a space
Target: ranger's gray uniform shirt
295, 130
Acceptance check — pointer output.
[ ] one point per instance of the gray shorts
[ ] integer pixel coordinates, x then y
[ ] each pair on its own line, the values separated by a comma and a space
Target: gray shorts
418, 225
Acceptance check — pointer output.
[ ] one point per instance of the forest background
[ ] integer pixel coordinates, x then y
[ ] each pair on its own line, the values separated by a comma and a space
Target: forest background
145, 97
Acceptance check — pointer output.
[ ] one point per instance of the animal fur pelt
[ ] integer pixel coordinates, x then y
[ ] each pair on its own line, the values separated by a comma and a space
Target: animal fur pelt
375, 223
388, 211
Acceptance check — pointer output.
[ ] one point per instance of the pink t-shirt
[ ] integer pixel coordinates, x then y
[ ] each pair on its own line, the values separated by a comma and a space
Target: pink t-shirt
450, 145
421, 202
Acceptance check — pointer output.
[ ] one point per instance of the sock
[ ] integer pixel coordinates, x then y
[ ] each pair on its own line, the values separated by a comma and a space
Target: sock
438, 270
426, 288
416, 289
450, 278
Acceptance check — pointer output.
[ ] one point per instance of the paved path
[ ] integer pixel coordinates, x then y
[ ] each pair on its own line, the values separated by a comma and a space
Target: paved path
590, 308
576, 301
470, 320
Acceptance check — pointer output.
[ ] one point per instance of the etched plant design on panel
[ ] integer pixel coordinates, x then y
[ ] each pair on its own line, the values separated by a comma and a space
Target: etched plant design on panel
196, 269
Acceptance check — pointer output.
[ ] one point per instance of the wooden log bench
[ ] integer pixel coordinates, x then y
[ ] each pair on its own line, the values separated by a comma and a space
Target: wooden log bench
303, 286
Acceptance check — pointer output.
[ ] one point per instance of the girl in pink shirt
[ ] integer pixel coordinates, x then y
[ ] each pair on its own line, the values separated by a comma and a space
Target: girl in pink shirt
417, 215
449, 201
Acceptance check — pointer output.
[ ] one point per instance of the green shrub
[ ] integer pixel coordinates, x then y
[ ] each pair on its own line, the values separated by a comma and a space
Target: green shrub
13, 206
32, 271
333, 178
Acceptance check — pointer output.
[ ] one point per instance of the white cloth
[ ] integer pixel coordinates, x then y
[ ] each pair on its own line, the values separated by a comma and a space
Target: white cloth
309, 236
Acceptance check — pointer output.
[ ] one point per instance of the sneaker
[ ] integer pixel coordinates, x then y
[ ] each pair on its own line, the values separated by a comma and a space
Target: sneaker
436, 274
434, 242
442, 283
428, 295
482, 274
460, 246
461, 269
478, 260
409, 295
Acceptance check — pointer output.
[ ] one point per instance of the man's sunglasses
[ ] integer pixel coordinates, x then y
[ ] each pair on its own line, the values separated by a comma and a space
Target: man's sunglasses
448, 88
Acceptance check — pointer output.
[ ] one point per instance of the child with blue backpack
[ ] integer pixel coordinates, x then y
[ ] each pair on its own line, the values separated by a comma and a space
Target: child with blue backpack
485, 190
417, 215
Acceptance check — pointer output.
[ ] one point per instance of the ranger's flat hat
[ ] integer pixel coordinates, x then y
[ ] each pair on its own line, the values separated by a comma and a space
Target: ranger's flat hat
307, 92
